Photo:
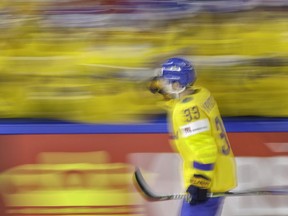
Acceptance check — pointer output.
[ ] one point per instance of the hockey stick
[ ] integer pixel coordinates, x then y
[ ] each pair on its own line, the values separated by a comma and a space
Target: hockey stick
276, 190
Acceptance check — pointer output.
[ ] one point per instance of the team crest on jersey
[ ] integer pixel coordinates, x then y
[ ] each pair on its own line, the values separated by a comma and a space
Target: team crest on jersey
185, 100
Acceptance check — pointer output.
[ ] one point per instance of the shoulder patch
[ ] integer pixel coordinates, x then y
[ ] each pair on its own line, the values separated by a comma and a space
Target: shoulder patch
187, 99
209, 104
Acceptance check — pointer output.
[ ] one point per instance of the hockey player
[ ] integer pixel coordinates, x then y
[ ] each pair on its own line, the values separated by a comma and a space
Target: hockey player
198, 135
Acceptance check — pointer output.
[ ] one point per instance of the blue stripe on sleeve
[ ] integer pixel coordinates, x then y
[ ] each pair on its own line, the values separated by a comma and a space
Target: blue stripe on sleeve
200, 166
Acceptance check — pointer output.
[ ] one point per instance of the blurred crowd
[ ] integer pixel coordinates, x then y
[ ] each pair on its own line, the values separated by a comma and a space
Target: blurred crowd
77, 59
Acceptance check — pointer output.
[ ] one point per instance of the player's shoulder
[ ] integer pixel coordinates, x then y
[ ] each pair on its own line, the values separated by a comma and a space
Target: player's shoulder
197, 98
201, 98
199, 95
206, 100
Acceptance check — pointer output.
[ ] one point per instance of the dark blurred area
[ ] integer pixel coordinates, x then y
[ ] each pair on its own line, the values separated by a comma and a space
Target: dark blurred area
88, 61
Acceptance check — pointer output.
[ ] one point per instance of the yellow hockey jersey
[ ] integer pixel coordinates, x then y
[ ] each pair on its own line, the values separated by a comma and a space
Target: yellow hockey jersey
200, 138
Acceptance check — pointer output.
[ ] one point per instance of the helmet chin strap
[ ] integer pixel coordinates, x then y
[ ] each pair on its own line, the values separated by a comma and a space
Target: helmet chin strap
175, 93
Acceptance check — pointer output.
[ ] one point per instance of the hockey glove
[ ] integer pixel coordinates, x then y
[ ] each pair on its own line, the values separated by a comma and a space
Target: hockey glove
198, 190
154, 85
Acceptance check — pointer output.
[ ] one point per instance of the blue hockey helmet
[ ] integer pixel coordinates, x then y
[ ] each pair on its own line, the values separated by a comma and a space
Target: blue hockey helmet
178, 70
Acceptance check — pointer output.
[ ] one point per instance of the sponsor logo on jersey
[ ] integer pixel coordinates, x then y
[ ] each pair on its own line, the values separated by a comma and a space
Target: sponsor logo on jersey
195, 127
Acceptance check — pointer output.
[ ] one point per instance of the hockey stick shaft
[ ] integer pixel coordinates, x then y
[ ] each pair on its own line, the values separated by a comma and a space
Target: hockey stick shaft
148, 192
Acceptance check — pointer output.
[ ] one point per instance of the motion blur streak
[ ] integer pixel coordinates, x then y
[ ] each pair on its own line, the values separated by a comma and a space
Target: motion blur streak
75, 59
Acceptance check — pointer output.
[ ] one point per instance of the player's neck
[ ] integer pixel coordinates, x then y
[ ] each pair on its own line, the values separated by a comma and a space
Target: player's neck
186, 92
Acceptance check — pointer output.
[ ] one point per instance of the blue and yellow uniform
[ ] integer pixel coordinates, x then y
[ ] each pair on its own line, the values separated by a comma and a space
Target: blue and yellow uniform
198, 135
201, 140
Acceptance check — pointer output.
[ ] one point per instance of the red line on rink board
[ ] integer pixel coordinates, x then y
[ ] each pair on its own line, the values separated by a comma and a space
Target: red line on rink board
76, 210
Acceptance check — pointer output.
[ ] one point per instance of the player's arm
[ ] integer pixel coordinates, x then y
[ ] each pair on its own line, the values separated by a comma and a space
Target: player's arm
199, 150
204, 158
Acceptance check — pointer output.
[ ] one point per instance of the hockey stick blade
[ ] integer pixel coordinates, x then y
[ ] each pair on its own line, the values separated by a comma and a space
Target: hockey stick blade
148, 192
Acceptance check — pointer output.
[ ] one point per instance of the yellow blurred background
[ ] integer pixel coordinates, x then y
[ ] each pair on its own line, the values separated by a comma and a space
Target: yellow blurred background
88, 61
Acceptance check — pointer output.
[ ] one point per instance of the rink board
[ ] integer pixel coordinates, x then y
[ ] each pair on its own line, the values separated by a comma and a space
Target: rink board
32, 159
